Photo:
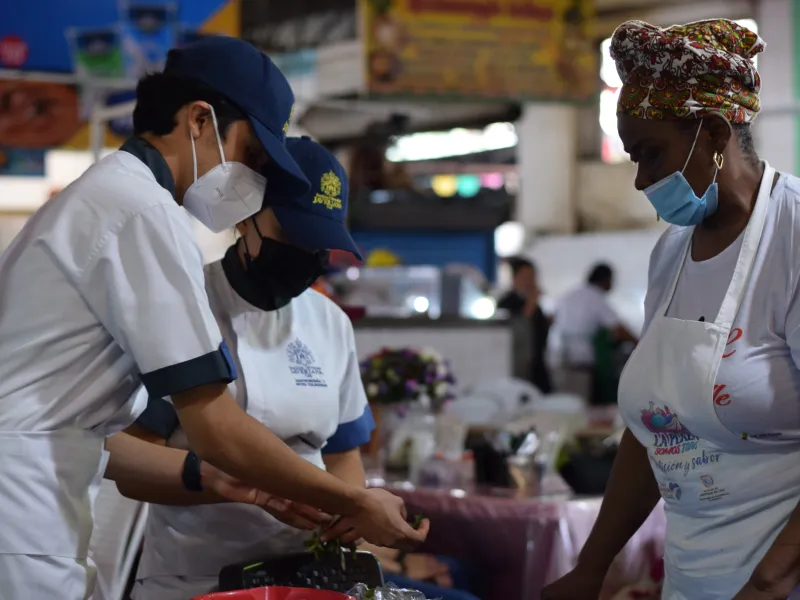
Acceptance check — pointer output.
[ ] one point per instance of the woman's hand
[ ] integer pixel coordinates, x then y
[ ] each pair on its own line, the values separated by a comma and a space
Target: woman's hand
578, 584
291, 513
380, 520
294, 514
752, 591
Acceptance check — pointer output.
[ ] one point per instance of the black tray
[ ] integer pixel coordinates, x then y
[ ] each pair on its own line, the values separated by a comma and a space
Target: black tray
302, 570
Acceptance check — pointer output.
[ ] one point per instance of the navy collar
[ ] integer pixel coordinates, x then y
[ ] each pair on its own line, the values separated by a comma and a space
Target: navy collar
151, 157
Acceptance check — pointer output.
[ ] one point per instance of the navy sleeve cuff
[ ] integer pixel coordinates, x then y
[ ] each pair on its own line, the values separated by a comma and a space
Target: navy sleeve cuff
214, 367
351, 435
160, 418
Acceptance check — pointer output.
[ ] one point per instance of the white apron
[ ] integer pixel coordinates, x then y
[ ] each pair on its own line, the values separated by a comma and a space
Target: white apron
185, 547
726, 497
49, 482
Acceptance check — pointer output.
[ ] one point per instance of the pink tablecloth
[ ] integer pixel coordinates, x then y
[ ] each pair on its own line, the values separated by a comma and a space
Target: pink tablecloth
521, 545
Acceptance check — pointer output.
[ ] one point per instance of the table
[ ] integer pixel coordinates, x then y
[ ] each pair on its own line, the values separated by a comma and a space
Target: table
521, 544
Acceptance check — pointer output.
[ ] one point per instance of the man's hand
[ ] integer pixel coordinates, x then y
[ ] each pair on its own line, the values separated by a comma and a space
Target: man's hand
380, 520
293, 514
531, 302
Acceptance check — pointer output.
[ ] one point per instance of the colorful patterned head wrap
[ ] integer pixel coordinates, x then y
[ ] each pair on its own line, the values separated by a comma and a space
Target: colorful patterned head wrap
687, 71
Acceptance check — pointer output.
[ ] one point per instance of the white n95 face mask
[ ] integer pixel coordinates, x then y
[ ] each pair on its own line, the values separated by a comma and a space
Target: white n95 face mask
228, 194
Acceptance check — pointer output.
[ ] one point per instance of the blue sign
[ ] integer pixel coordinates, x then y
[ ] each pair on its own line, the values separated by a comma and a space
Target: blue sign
44, 35
28, 163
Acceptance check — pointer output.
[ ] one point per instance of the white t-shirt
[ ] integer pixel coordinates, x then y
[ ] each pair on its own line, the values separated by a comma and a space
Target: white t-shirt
702, 285
101, 290
300, 376
757, 390
579, 316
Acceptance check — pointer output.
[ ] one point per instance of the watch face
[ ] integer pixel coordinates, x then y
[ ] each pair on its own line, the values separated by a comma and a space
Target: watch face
191, 476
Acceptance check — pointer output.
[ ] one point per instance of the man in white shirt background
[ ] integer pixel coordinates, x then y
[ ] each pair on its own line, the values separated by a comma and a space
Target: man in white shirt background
581, 316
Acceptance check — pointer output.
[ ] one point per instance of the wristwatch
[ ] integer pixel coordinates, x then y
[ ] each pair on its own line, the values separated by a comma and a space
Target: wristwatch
191, 476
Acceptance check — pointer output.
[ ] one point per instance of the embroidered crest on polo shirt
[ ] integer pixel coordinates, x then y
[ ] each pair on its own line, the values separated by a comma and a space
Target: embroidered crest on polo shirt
330, 186
303, 365
288, 121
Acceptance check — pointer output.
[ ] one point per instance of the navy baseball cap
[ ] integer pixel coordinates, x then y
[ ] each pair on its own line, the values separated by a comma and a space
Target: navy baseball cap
317, 220
252, 82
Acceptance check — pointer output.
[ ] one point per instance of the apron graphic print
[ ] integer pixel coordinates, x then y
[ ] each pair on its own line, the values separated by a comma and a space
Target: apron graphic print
671, 439
671, 436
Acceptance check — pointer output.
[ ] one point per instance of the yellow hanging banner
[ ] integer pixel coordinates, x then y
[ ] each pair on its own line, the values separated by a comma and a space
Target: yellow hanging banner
491, 49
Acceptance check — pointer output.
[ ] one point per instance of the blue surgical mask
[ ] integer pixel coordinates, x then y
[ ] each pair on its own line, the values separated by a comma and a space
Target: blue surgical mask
675, 200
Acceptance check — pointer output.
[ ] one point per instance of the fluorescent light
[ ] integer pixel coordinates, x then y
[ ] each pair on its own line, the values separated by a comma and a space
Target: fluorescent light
420, 304
456, 142
509, 239
483, 308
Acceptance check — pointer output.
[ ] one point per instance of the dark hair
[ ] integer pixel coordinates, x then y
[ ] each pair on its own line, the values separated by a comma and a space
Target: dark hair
743, 133
159, 97
519, 263
600, 273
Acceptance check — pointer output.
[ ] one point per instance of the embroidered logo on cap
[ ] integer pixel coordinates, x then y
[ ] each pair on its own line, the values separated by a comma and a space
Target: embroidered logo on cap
288, 121
330, 186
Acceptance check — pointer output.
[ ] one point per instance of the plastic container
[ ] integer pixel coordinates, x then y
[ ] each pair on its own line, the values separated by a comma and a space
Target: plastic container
275, 593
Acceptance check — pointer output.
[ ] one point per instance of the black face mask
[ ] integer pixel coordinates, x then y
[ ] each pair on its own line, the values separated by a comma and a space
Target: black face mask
279, 273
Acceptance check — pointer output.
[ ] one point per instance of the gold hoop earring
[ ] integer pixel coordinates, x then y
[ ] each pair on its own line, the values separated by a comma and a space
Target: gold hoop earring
719, 159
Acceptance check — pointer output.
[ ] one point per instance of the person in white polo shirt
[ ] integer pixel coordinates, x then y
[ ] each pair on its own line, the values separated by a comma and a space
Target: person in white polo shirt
295, 350
103, 289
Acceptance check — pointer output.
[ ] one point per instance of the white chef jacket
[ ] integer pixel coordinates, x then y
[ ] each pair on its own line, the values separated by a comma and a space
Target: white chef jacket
580, 315
101, 290
300, 376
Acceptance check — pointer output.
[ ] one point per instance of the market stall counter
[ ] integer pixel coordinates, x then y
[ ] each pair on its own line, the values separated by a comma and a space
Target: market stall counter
520, 544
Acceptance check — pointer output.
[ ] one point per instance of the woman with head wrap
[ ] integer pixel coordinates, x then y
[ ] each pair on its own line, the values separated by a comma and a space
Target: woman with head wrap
711, 396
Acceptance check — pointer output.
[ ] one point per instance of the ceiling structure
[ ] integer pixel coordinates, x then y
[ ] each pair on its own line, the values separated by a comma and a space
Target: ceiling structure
288, 25
280, 26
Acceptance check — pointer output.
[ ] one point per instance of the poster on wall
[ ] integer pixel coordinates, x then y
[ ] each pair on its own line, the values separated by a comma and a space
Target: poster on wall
97, 49
492, 49
35, 114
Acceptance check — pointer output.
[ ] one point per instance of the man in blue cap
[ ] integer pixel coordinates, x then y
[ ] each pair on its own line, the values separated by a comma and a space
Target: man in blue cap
300, 377
218, 115
102, 292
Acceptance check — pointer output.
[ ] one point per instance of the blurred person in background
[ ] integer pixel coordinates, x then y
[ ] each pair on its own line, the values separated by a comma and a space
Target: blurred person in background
584, 320
103, 292
710, 395
300, 377
523, 301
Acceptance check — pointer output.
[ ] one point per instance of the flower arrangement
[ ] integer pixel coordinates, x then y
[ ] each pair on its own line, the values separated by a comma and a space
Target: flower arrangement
397, 375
